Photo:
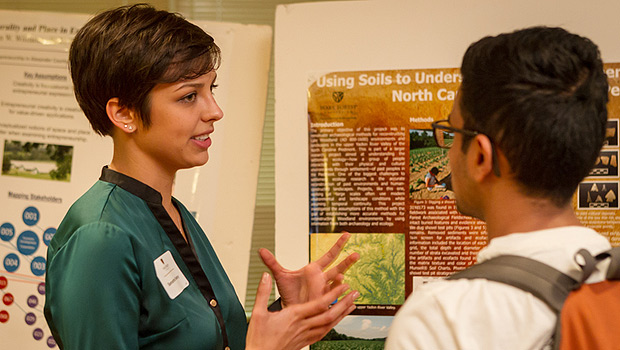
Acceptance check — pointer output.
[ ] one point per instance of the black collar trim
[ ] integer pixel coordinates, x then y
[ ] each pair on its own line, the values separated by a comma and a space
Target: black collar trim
131, 185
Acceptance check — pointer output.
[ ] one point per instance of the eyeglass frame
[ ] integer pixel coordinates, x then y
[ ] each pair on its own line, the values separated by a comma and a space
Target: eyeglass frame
471, 133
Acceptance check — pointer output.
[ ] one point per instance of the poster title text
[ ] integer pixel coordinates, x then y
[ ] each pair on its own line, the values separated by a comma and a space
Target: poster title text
419, 80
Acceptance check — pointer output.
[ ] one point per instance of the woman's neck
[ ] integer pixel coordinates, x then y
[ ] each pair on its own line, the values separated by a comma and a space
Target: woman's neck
150, 174
158, 180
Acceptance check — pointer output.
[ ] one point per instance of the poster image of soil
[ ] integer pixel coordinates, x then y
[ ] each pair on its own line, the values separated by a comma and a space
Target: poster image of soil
379, 275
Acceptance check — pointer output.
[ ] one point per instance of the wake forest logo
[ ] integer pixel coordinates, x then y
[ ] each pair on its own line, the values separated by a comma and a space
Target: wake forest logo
337, 96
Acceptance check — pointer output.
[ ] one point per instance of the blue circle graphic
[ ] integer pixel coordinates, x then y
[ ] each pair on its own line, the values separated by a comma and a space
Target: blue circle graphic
27, 242
30, 216
37, 334
7, 232
51, 342
32, 301
37, 266
30, 318
41, 288
48, 235
11, 262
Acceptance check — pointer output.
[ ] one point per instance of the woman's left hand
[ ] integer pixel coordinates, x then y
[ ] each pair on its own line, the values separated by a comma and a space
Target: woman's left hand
311, 281
298, 325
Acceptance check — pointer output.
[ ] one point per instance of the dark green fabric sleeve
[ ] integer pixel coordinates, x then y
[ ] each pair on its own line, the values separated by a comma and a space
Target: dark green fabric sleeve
94, 301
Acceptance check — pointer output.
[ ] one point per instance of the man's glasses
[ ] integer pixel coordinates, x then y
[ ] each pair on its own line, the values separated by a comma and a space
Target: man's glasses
444, 133
444, 138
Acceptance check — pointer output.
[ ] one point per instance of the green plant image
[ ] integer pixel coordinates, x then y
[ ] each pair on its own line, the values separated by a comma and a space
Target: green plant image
348, 345
422, 159
379, 275
334, 340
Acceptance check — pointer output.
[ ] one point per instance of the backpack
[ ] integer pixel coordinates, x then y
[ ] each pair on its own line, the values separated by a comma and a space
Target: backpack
588, 314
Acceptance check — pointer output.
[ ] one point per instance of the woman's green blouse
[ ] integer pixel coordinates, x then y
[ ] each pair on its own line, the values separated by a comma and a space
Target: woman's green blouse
102, 291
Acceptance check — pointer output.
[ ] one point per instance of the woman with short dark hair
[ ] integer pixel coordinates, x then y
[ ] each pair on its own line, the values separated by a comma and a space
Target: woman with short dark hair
129, 267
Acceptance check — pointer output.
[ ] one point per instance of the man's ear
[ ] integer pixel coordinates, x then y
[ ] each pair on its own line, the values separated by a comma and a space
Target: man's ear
121, 116
481, 157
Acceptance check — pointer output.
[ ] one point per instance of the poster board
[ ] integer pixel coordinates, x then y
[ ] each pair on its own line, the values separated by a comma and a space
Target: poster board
322, 47
51, 156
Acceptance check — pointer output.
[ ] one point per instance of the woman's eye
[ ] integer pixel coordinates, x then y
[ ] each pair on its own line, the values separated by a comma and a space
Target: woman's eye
213, 87
189, 97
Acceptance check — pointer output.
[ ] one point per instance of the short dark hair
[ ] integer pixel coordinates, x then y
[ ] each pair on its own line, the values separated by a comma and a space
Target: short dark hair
540, 95
126, 51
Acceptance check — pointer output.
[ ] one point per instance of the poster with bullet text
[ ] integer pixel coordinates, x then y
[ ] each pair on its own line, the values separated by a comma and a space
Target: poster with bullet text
50, 156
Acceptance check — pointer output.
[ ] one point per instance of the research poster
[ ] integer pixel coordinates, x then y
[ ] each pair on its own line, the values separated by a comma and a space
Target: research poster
376, 172
50, 156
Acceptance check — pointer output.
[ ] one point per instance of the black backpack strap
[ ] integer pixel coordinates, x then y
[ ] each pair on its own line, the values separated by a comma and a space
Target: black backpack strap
613, 272
542, 280
587, 262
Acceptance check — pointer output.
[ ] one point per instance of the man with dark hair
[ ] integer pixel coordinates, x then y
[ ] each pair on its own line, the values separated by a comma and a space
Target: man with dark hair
528, 124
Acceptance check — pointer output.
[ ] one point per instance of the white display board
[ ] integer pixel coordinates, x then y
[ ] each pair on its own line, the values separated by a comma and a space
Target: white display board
38, 112
312, 39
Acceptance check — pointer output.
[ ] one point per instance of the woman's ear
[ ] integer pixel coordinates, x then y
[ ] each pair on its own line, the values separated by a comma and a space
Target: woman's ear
121, 116
481, 161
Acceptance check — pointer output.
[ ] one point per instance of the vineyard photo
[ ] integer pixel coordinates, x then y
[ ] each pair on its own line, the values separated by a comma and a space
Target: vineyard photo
428, 162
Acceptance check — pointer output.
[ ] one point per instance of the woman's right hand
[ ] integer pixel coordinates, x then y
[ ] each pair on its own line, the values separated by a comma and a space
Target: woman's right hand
311, 281
298, 325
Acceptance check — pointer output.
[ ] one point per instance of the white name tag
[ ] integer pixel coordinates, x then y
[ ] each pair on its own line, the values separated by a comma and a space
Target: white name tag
169, 274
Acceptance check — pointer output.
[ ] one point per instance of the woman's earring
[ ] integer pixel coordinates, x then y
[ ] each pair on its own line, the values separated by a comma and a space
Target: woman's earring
129, 127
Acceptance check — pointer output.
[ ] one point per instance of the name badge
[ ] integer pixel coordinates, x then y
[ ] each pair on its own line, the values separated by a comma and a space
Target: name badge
169, 274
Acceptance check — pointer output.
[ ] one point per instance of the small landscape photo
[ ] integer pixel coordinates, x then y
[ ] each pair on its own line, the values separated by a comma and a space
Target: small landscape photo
357, 332
35, 160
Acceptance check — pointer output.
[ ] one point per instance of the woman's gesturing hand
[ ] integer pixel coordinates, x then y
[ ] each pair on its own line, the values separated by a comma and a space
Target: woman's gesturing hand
311, 281
297, 325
